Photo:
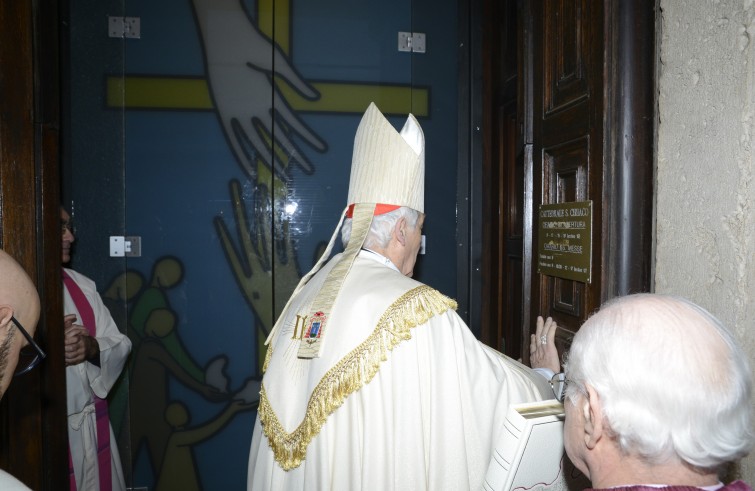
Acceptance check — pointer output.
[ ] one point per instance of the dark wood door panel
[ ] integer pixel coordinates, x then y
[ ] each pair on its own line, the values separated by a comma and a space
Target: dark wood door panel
565, 170
566, 44
512, 330
564, 302
503, 185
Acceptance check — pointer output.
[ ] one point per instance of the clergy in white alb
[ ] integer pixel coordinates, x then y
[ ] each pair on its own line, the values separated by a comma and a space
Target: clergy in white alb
96, 352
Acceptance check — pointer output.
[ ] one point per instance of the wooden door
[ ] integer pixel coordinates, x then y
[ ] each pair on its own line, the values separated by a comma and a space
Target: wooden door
583, 131
33, 439
503, 185
568, 152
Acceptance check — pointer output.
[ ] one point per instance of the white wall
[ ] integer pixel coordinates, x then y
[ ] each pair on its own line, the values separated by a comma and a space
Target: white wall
705, 189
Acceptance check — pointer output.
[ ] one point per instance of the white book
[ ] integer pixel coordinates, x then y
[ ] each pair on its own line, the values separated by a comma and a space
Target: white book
530, 453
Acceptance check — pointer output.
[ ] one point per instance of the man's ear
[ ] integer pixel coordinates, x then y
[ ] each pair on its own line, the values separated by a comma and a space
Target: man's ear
592, 412
399, 231
6, 312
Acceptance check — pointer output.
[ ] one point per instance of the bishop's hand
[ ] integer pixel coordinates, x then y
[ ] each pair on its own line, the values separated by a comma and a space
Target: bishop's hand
543, 352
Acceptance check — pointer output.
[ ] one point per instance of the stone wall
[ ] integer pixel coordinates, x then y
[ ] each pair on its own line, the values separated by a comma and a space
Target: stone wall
705, 227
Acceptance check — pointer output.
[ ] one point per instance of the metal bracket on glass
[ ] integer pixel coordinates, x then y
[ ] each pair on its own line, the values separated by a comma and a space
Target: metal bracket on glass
121, 246
412, 41
124, 27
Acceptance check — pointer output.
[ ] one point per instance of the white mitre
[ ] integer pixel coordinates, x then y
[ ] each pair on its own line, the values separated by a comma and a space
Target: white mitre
388, 167
387, 172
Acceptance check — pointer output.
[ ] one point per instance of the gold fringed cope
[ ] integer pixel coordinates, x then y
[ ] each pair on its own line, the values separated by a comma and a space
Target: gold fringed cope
351, 373
268, 355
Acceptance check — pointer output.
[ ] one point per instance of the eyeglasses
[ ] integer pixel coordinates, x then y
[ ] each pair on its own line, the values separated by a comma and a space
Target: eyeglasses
67, 225
30, 355
559, 382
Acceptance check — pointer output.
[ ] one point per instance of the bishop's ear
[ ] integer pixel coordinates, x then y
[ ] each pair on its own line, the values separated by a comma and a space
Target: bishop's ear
399, 230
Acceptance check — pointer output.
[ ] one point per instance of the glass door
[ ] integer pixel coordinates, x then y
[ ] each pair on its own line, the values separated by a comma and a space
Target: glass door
217, 144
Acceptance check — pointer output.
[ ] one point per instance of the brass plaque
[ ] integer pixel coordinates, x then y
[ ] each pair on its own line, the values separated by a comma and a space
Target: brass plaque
564, 240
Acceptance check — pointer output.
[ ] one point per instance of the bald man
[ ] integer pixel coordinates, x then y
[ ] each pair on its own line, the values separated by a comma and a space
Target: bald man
19, 313
658, 396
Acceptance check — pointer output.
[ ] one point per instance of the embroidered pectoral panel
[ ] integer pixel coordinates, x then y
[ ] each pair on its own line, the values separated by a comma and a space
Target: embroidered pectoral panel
351, 373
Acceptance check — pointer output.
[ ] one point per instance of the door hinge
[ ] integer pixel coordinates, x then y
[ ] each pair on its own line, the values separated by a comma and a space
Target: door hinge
412, 41
124, 27
121, 246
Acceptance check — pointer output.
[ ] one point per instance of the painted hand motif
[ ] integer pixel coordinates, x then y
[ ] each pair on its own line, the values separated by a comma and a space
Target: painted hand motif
243, 69
259, 254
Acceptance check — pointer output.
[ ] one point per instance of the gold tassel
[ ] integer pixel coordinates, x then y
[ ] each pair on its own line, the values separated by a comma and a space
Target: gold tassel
268, 355
351, 373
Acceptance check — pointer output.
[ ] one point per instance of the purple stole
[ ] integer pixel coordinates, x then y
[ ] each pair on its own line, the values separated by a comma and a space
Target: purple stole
733, 486
100, 405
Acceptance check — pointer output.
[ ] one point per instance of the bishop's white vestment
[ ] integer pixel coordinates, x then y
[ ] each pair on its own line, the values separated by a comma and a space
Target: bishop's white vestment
403, 396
